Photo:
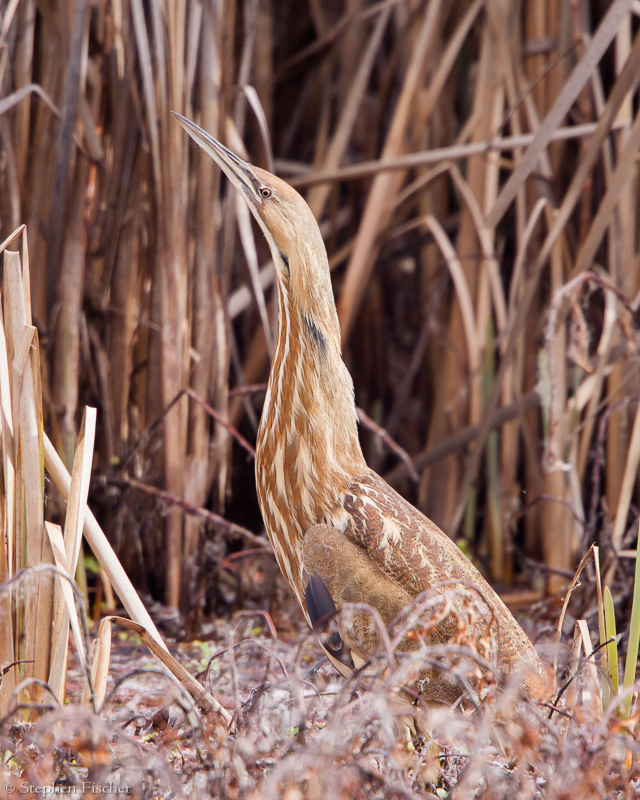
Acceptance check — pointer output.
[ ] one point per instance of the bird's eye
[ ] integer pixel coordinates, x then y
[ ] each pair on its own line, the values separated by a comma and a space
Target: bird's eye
265, 192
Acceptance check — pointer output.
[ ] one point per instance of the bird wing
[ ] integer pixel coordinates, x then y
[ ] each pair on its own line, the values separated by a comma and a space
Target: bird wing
338, 571
414, 554
387, 555
348, 575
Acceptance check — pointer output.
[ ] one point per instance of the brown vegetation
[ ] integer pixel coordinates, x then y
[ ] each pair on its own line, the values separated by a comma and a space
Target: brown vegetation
474, 169
483, 290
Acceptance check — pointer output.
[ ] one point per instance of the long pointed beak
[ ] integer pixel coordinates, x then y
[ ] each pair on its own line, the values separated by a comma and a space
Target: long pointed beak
238, 171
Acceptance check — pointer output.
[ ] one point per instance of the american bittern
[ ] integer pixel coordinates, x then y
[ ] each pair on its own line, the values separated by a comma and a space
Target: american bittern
340, 533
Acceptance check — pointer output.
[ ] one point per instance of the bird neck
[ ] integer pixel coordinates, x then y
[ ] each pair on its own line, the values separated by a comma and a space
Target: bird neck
308, 449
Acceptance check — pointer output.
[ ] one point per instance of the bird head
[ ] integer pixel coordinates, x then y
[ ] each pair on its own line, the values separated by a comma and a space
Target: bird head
287, 222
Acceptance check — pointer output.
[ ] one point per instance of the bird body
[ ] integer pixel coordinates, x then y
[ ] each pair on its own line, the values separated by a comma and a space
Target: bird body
339, 532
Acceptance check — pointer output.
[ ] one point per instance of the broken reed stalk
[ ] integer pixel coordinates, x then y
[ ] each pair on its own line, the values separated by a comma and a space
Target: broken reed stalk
36, 611
30, 607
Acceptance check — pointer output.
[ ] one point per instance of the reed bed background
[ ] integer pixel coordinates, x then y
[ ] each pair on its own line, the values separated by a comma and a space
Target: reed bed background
473, 167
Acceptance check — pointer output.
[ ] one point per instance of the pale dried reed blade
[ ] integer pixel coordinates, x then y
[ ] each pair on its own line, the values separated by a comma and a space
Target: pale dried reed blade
599, 375
593, 683
70, 296
19, 231
74, 523
462, 291
8, 458
259, 113
385, 185
626, 492
79, 490
68, 614
605, 696
565, 604
204, 698
101, 547
302, 176
7, 524
243, 216
100, 661
318, 195
32, 547
582, 72
34, 494
486, 238
6, 103
618, 183
9, 530
26, 274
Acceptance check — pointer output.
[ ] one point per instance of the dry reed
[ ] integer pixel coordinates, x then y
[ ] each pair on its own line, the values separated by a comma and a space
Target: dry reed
474, 169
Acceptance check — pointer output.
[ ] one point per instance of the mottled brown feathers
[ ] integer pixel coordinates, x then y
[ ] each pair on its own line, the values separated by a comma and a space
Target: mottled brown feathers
416, 555
328, 516
388, 555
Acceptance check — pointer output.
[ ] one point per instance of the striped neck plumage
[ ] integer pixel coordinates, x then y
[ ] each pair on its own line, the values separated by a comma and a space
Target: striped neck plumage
308, 448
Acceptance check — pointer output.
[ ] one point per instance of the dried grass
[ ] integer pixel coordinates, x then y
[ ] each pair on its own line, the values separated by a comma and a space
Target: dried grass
300, 732
131, 285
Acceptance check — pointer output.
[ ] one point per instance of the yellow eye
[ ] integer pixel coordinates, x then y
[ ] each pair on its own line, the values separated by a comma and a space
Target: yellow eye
265, 192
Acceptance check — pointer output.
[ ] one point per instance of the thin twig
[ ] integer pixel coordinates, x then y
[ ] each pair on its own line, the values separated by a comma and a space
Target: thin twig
221, 421
231, 527
148, 434
565, 686
435, 156
465, 436
402, 454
